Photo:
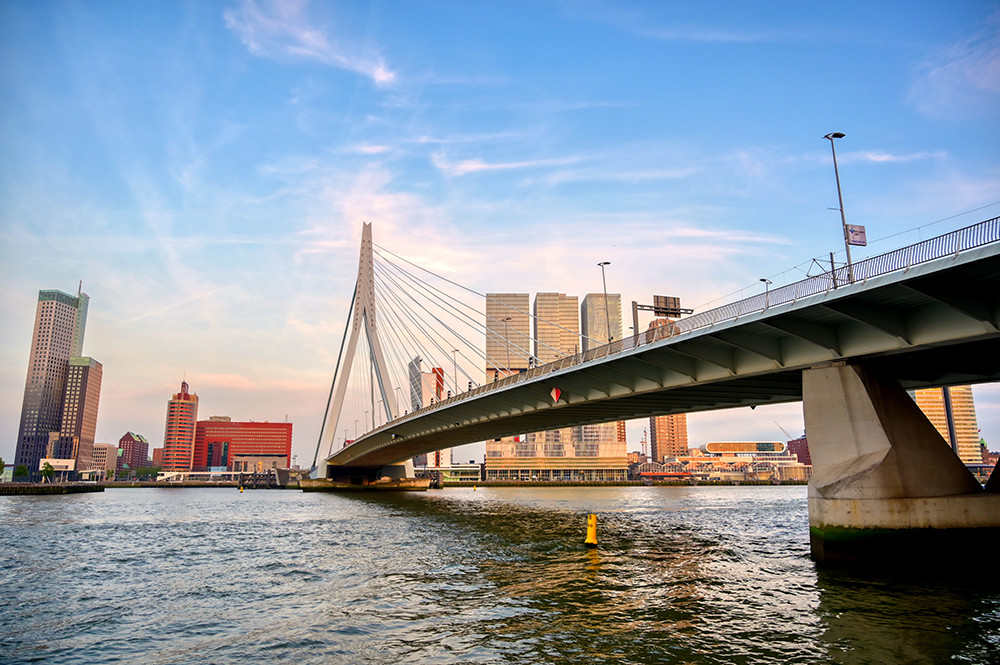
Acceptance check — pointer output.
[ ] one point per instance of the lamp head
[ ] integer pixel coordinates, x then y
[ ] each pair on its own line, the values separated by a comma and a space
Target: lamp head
835, 135
604, 263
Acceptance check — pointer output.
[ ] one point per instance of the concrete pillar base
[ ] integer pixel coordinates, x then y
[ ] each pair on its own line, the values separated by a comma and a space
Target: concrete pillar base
903, 532
886, 488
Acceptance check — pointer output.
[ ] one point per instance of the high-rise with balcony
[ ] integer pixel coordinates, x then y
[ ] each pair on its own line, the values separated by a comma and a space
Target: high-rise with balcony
60, 322
179, 433
668, 436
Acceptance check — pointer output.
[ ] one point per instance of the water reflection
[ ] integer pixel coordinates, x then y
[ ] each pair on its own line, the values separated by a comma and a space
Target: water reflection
682, 575
900, 619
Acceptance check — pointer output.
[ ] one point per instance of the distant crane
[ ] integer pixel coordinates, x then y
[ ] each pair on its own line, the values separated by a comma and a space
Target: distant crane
790, 437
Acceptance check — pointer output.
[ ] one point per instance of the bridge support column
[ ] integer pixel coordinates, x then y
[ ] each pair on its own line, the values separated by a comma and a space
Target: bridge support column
886, 488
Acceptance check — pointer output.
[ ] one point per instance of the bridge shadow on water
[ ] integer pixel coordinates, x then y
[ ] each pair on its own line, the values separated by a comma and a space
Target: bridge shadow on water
682, 575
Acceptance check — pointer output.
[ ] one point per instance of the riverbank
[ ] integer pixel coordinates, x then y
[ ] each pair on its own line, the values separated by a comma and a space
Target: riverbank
21, 489
622, 483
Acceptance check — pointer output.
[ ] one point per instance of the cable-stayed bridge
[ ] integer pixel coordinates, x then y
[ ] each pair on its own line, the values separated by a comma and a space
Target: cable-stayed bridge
847, 342
926, 313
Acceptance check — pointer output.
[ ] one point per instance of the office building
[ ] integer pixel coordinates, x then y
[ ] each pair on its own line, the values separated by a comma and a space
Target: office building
81, 398
178, 435
600, 320
219, 440
158, 458
60, 323
544, 456
556, 318
668, 436
508, 334
135, 451
104, 458
931, 401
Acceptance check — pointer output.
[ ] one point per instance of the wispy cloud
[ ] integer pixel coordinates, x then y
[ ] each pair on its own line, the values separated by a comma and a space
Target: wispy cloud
962, 78
280, 28
466, 166
871, 156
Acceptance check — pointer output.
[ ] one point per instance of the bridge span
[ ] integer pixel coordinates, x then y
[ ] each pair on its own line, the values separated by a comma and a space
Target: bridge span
934, 324
923, 316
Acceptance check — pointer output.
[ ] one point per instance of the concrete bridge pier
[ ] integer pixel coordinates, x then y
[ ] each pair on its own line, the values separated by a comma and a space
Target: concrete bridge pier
887, 489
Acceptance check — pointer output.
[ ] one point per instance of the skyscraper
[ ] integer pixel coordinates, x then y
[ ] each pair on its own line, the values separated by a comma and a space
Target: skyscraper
508, 334
81, 398
595, 316
178, 435
557, 326
963, 409
60, 322
668, 436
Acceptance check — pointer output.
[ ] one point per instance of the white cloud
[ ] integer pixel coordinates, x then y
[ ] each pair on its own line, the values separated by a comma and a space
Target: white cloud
466, 166
963, 78
280, 29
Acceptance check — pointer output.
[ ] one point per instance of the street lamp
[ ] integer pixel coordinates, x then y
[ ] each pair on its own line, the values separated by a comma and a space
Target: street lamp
607, 316
843, 218
767, 284
506, 341
454, 359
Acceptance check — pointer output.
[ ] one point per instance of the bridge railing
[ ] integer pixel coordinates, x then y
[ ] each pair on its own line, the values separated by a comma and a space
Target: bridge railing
948, 244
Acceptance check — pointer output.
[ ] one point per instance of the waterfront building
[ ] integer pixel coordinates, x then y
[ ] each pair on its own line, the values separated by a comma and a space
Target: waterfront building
425, 388
668, 436
178, 435
508, 334
800, 448
135, 451
526, 458
557, 326
60, 323
104, 458
730, 461
219, 440
600, 318
158, 457
81, 398
931, 402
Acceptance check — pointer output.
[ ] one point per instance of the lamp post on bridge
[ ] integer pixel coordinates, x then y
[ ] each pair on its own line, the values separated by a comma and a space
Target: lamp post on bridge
767, 284
454, 359
607, 315
840, 197
506, 342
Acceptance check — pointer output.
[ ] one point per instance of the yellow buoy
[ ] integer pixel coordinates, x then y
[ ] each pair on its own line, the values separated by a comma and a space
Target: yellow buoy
473, 488
241, 490
591, 531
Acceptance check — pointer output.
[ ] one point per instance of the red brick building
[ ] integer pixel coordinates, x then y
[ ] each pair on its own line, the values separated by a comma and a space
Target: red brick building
219, 439
800, 448
135, 451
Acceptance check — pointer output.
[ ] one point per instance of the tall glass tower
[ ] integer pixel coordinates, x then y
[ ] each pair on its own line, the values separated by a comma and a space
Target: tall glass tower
60, 323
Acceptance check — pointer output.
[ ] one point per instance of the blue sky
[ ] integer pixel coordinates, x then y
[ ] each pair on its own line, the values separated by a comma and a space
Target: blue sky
204, 168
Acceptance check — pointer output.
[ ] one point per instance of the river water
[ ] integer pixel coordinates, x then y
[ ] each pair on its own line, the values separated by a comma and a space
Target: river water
492, 575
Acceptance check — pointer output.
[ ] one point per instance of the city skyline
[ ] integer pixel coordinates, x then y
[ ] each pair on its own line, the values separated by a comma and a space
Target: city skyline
205, 170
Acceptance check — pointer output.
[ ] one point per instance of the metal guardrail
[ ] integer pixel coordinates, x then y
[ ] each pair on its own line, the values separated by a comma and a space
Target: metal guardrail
970, 237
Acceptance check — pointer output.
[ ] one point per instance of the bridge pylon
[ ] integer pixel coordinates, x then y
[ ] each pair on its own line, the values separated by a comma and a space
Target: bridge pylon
363, 320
